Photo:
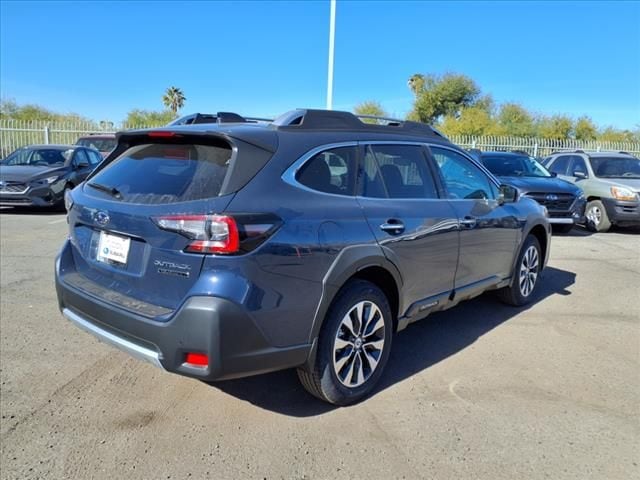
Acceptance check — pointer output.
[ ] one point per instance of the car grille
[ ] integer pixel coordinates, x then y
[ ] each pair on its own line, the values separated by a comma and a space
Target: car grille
555, 202
13, 187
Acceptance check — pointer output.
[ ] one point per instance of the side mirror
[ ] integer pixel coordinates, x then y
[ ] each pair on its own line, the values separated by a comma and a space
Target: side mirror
508, 194
553, 174
580, 175
82, 165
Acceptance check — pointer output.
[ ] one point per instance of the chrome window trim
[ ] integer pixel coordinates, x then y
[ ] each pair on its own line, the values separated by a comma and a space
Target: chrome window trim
289, 175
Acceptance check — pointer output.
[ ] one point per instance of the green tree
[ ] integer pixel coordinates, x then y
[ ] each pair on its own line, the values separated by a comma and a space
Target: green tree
370, 107
610, 134
439, 95
173, 99
10, 110
585, 129
515, 120
556, 127
474, 120
148, 118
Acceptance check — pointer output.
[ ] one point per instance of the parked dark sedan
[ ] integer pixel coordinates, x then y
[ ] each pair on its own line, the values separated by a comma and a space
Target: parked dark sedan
39, 175
564, 201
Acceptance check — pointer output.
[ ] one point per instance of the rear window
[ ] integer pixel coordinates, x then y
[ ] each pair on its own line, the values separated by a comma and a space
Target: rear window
100, 144
167, 173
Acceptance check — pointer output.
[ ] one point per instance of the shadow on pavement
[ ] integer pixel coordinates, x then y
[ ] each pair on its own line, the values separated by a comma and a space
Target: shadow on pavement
31, 211
421, 345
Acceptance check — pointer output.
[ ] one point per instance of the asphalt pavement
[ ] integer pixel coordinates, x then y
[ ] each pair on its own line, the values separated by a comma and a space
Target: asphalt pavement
482, 391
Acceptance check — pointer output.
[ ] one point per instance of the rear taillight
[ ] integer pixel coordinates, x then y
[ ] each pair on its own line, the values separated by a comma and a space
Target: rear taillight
210, 233
221, 234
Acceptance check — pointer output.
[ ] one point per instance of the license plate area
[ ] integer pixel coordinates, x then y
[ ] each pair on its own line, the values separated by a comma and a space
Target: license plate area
113, 249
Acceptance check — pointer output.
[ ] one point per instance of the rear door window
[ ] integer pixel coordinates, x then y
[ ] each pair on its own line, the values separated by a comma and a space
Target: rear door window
167, 173
397, 171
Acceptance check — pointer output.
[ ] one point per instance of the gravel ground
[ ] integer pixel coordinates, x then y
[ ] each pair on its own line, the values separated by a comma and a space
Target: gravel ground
481, 391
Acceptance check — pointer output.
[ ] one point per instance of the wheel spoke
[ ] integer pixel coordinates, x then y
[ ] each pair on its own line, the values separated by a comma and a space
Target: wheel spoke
347, 322
376, 324
340, 363
359, 370
373, 361
348, 377
341, 343
375, 344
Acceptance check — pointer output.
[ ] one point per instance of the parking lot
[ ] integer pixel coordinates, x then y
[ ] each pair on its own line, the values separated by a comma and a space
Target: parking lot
480, 391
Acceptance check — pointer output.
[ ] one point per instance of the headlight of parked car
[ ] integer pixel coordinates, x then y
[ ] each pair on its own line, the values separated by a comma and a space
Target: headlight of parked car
68, 199
621, 193
46, 181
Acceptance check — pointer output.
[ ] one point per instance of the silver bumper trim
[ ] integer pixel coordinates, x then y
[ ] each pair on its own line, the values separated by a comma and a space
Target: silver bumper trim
564, 221
123, 344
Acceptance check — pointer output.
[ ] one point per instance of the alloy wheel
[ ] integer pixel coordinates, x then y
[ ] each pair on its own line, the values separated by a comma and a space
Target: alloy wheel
358, 344
528, 271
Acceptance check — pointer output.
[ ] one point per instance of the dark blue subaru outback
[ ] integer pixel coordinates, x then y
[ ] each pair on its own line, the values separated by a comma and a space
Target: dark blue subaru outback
230, 249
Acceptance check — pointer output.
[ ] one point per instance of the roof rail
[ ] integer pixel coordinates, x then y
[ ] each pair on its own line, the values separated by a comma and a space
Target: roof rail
219, 117
309, 119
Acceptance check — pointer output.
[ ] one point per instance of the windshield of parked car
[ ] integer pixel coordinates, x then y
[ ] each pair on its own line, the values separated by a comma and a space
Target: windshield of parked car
40, 157
615, 167
100, 144
514, 166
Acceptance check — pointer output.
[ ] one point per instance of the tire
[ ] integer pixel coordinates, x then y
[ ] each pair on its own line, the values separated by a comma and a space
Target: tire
525, 275
340, 375
562, 228
597, 218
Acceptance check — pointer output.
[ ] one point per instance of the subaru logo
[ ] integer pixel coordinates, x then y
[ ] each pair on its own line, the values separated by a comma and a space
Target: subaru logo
102, 218
551, 197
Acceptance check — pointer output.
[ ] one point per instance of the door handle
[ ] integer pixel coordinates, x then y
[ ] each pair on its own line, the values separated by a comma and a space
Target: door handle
393, 226
468, 222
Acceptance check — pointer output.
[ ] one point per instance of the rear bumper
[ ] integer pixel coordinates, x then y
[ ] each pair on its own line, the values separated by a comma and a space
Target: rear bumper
217, 327
621, 212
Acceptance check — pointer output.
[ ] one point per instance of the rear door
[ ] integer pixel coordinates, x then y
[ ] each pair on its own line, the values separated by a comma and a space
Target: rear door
488, 231
118, 243
416, 228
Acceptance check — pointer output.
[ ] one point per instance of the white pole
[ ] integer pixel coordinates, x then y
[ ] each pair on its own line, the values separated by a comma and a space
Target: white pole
332, 34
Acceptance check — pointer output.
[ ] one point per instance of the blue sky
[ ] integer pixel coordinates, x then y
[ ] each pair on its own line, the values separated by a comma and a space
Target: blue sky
101, 59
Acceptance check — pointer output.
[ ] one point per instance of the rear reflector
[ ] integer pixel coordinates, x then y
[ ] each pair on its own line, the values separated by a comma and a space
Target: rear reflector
197, 359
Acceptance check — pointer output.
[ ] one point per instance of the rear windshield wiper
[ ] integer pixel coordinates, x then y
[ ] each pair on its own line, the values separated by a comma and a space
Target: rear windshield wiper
114, 192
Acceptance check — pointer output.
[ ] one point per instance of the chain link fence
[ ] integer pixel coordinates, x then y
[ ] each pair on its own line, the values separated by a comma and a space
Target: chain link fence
15, 134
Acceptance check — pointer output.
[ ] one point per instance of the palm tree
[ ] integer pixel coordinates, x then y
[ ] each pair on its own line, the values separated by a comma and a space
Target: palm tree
173, 99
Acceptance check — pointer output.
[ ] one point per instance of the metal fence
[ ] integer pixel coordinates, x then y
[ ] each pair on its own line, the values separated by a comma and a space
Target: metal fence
15, 134
541, 147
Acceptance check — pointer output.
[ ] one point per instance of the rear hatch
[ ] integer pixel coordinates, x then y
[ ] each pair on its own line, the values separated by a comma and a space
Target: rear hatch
126, 247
